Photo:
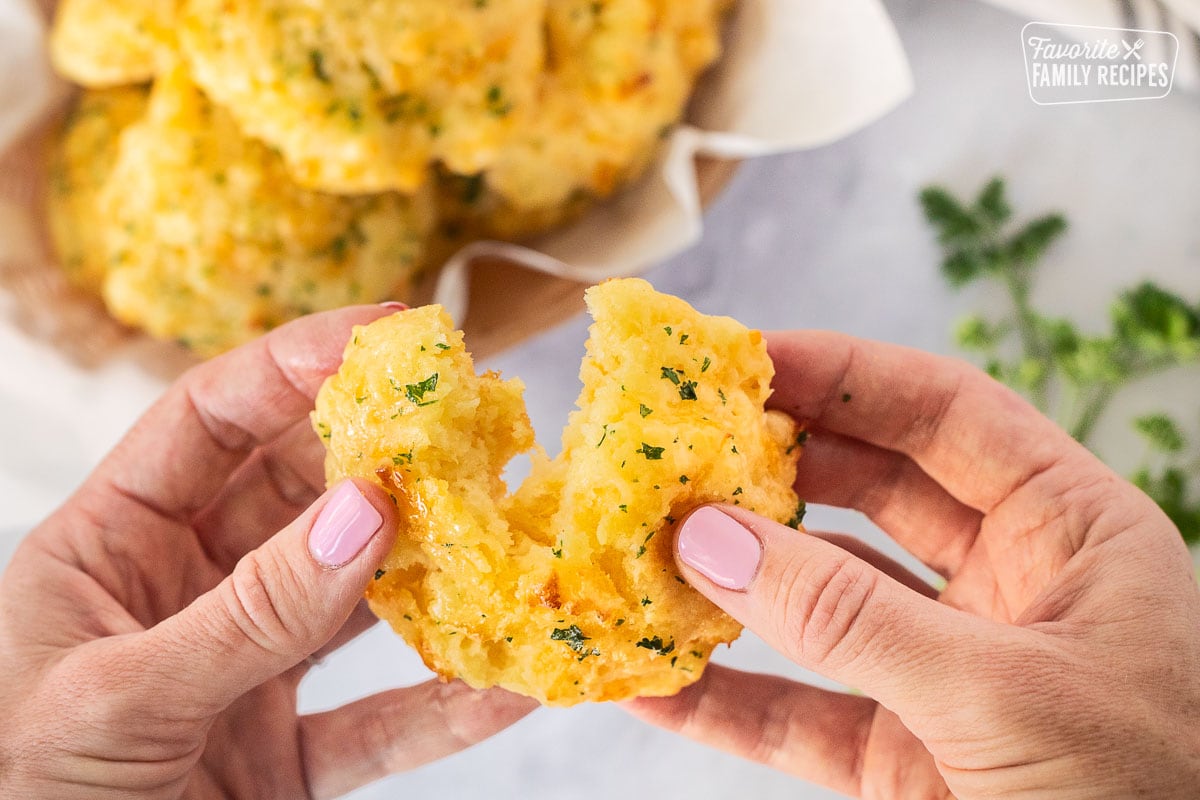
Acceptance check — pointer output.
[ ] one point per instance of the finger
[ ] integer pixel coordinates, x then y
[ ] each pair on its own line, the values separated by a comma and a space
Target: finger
829, 611
270, 489
817, 735
361, 620
282, 602
977, 438
180, 453
399, 730
885, 564
893, 492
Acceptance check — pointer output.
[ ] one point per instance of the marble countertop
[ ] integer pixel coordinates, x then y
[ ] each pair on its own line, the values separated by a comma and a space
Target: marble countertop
833, 238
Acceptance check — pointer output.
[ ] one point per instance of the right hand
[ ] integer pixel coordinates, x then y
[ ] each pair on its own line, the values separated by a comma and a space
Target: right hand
1061, 660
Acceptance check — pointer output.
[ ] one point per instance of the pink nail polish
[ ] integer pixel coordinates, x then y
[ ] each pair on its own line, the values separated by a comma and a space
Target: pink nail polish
344, 526
719, 548
395, 305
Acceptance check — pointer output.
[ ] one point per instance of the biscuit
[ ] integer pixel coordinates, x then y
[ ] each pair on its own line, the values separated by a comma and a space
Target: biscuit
364, 97
565, 590
81, 159
619, 74
101, 43
210, 242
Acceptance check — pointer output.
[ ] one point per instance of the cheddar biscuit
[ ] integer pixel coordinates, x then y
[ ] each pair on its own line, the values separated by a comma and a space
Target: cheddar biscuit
565, 590
365, 97
209, 240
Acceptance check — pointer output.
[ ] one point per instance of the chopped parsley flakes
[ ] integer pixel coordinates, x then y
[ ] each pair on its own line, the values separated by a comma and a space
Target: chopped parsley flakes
656, 644
316, 60
650, 452
798, 516
416, 391
574, 639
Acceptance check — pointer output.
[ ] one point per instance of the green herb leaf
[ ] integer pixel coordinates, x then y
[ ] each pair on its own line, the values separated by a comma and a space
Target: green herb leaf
573, 637
650, 452
316, 60
496, 103
992, 203
960, 267
1161, 432
656, 644
416, 391
1032, 241
944, 212
798, 516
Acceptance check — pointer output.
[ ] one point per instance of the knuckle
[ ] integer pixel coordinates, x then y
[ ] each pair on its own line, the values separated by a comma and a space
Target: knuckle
254, 602
933, 404
291, 486
824, 605
381, 741
773, 732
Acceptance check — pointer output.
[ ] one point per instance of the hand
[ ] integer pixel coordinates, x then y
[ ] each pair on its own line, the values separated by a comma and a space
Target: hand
153, 631
1061, 660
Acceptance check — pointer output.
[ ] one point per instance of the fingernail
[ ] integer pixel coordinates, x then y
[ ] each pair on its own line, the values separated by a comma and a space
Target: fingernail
396, 305
719, 548
344, 526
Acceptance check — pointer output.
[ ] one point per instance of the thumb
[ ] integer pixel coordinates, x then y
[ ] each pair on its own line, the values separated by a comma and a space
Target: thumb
828, 610
281, 603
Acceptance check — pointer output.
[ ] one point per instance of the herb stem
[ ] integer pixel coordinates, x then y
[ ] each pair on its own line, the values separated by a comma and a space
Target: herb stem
1029, 331
1093, 410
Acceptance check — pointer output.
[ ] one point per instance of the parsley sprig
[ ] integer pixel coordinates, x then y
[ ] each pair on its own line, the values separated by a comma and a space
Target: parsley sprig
1066, 373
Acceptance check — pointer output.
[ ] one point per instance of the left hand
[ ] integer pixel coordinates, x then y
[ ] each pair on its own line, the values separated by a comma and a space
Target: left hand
154, 630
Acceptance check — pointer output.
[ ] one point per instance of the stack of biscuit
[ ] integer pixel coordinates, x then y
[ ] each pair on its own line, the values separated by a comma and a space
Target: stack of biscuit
230, 166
